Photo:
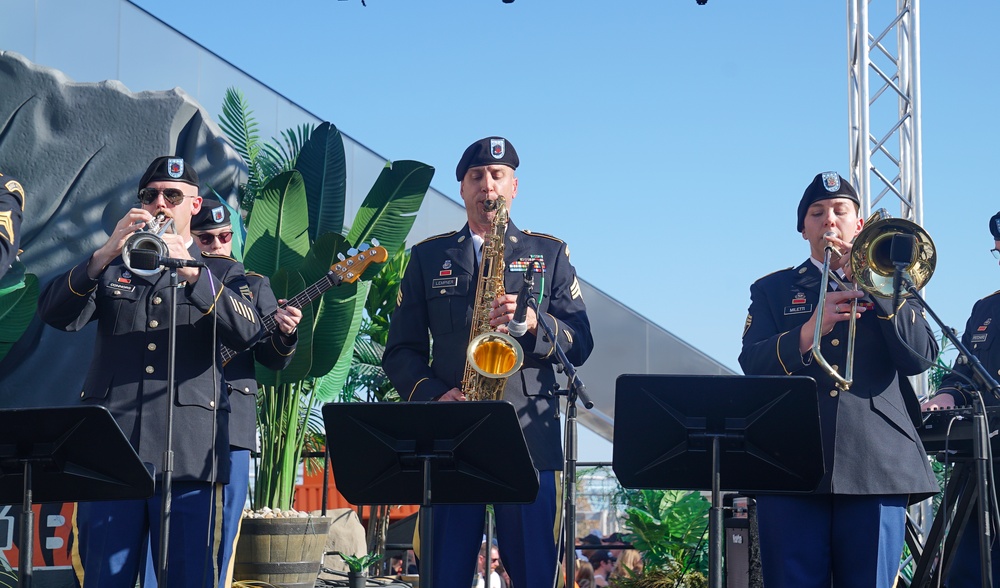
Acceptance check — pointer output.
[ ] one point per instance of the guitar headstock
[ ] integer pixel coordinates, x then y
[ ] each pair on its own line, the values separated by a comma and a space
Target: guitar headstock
351, 268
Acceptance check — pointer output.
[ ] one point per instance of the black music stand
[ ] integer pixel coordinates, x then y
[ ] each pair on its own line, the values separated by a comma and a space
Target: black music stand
429, 453
741, 433
64, 454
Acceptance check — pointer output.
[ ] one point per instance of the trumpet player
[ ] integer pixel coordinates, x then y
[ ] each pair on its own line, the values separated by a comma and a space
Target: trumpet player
436, 298
128, 376
979, 338
849, 532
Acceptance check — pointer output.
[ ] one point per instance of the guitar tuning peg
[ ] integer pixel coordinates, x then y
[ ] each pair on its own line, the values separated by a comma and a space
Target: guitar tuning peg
364, 247
375, 242
352, 251
341, 257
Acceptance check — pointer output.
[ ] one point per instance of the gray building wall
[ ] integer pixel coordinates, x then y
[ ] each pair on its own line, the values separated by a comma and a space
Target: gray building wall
113, 39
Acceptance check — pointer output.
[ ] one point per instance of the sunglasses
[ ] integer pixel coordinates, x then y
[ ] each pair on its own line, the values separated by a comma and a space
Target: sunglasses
171, 195
209, 238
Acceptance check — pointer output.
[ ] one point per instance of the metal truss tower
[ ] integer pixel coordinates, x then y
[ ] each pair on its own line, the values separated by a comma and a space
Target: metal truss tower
883, 39
884, 87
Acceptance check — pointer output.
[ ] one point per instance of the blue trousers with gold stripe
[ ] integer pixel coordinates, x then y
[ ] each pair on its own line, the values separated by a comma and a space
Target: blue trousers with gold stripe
111, 538
831, 540
526, 538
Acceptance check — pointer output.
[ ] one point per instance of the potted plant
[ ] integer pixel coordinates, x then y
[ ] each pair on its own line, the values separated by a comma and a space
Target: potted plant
357, 566
295, 233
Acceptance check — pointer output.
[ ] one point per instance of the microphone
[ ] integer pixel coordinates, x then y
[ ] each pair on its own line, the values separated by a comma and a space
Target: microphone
148, 260
518, 325
901, 253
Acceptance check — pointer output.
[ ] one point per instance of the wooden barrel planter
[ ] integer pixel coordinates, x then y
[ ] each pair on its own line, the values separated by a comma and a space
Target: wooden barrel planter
285, 552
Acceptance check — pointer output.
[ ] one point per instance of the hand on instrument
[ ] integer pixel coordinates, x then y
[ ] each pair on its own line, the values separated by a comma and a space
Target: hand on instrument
842, 258
177, 249
503, 311
836, 309
453, 394
287, 317
941, 401
133, 220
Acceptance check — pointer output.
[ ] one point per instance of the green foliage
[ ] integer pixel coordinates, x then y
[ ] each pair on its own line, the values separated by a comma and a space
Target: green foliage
264, 160
18, 301
672, 576
669, 527
358, 563
295, 235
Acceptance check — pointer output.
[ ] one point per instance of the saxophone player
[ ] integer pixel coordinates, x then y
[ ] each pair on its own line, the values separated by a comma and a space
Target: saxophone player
436, 297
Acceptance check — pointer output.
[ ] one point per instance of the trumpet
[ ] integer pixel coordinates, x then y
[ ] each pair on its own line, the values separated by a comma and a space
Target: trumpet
872, 270
149, 238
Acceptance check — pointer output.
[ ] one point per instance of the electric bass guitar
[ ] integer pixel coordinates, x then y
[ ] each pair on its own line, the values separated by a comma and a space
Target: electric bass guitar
345, 271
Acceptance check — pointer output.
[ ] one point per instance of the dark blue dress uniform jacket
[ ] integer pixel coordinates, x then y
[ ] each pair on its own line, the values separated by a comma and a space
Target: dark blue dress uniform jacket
980, 338
274, 351
11, 213
870, 443
437, 294
128, 374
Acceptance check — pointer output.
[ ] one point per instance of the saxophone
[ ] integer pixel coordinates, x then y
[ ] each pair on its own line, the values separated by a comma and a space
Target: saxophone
492, 356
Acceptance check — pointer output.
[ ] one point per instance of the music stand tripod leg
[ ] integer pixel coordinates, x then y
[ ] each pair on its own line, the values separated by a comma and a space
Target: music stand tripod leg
715, 533
24, 559
426, 529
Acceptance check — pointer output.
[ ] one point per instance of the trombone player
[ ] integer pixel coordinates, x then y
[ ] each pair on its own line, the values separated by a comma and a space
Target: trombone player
849, 532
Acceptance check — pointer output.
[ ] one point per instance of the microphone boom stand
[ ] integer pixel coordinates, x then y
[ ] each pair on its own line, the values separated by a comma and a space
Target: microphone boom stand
575, 389
980, 439
168, 453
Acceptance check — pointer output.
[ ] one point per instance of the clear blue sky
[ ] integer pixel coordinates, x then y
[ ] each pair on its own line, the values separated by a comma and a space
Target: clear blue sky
668, 143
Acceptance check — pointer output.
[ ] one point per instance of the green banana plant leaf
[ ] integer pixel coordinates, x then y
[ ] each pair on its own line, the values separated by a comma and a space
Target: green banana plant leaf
324, 169
278, 235
389, 210
286, 284
338, 311
18, 303
383, 294
345, 316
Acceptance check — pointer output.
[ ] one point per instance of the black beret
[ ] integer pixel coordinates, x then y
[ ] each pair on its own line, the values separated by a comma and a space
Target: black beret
488, 151
169, 169
825, 186
213, 215
995, 226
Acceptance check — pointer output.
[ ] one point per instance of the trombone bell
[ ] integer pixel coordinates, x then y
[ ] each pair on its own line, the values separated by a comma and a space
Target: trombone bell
871, 263
873, 270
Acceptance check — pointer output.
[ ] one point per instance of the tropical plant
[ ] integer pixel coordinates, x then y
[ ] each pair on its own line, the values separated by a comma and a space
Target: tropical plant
366, 376
360, 563
264, 160
18, 301
294, 235
670, 528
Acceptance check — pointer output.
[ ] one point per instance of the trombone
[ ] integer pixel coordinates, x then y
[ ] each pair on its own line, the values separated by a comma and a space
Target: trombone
872, 270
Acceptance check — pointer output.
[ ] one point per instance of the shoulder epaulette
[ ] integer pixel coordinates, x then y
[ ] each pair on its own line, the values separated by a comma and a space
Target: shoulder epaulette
990, 295
547, 236
217, 256
250, 273
776, 272
435, 237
